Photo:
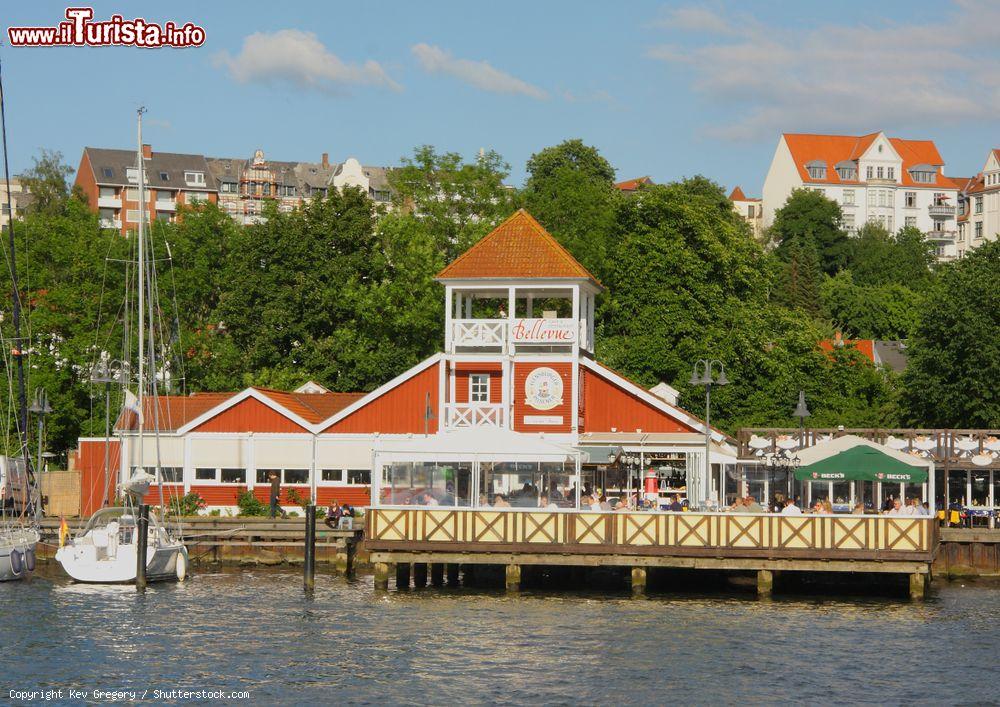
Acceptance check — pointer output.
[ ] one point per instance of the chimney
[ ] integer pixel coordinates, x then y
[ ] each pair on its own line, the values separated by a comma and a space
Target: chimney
326, 160
147, 151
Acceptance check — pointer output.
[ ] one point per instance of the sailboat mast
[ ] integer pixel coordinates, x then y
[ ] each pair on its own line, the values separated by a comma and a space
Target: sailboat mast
142, 283
18, 350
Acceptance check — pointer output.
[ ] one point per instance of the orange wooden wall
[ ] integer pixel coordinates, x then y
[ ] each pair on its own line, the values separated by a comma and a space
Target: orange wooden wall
90, 462
565, 371
464, 370
606, 405
249, 415
396, 411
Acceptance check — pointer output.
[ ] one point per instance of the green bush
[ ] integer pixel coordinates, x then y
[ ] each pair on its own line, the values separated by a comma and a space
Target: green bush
298, 499
249, 505
188, 505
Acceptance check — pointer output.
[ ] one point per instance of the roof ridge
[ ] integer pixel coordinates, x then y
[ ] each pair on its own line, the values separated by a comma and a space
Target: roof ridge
559, 246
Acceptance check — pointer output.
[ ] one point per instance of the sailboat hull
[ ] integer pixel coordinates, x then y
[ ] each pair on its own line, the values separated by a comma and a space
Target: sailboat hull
83, 564
17, 554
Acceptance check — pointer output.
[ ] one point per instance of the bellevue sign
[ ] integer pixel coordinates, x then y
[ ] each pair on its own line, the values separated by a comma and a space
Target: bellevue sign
543, 331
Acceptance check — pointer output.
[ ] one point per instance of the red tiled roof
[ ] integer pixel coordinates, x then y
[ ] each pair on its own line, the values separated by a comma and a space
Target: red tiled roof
865, 346
737, 195
175, 411
519, 248
633, 184
833, 149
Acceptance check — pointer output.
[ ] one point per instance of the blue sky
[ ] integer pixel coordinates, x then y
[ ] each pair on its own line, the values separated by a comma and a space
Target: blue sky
664, 89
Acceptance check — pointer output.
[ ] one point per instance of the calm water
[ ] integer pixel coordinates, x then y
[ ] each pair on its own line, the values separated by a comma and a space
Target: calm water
255, 631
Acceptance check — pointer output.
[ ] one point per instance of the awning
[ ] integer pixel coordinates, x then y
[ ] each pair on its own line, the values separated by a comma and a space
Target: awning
861, 463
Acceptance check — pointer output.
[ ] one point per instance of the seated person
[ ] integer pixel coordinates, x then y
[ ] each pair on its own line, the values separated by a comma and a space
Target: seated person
750, 505
334, 513
737, 506
499, 501
605, 506
675, 503
543, 502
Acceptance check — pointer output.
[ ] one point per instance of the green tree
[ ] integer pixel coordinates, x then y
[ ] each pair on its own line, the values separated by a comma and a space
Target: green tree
47, 182
889, 311
880, 258
799, 284
570, 191
953, 375
809, 216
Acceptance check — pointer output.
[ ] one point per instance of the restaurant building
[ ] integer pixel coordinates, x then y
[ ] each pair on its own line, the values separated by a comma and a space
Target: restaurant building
515, 405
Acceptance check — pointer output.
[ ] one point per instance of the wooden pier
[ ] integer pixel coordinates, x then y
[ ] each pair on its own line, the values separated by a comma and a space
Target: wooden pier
763, 543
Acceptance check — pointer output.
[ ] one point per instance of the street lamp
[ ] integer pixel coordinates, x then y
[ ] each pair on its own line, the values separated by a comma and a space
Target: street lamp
107, 372
40, 407
801, 412
704, 374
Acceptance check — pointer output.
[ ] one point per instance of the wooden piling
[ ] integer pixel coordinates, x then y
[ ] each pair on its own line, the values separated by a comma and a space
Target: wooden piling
512, 578
437, 574
309, 565
918, 585
402, 575
765, 583
453, 574
141, 544
381, 575
419, 575
638, 581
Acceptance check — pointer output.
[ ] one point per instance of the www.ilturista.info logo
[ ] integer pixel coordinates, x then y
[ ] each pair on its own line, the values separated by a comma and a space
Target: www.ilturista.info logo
80, 31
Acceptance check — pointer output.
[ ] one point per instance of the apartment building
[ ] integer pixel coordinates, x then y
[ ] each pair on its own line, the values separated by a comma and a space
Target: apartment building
875, 178
110, 180
979, 215
20, 197
750, 210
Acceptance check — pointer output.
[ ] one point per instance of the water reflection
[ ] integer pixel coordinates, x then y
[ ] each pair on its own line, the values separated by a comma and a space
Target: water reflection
231, 629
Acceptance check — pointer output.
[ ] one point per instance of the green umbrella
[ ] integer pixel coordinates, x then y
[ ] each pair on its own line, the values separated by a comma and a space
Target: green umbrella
861, 463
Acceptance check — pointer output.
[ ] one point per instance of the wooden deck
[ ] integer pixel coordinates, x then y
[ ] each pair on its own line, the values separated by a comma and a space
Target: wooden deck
761, 542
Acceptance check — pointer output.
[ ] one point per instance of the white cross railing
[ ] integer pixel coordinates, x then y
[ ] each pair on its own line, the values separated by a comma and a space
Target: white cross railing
470, 415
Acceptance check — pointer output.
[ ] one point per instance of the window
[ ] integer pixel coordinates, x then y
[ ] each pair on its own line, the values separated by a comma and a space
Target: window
359, 476
881, 197
911, 199
132, 194
132, 215
267, 189
107, 172
890, 173
336, 475
911, 222
979, 229
164, 176
848, 222
108, 193
165, 195
979, 204
922, 176
227, 187
888, 222
163, 216
849, 197
816, 169
380, 195
940, 199
194, 177
847, 172
195, 196
296, 476
287, 190
204, 474
233, 476
880, 172
171, 474
869, 172
750, 211
479, 388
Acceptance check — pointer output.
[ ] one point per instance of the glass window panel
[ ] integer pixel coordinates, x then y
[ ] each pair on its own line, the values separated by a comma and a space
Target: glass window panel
332, 474
980, 488
359, 476
171, 474
296, 476
204, 474
956, 487
233, 476
263, 474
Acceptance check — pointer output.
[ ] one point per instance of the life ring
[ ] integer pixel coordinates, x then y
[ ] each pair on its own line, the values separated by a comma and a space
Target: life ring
16, 563
180, 566
29, 559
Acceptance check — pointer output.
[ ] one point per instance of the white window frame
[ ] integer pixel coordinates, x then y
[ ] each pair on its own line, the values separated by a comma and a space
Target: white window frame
194, 178
479, 384
848, 197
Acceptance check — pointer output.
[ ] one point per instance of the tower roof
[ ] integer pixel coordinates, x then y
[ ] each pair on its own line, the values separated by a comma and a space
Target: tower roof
517, 249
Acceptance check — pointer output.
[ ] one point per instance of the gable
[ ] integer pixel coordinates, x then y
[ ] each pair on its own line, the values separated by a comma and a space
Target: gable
399, 410
249, 415
993, 161
888, 153
607, 405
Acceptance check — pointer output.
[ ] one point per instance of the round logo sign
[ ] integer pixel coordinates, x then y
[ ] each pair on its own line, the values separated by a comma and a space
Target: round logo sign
543, 389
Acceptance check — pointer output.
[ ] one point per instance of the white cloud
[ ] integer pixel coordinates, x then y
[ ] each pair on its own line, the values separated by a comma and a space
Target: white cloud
296, 57
480, 74
841, 77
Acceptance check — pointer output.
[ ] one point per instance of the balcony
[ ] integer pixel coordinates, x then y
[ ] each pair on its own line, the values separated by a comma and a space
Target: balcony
940, 210
503, 333
464, 416
943, 236
111, 223
109, 202
166, 205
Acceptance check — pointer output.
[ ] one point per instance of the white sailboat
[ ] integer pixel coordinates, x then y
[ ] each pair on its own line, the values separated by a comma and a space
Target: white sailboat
19, 497
107, 549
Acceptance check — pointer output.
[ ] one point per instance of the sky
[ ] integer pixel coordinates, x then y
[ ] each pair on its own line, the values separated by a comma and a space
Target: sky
665, 89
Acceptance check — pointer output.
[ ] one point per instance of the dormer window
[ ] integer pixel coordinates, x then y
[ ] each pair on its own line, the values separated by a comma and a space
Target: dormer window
847, 171
194, 178
816, 169
164, 177
923, 174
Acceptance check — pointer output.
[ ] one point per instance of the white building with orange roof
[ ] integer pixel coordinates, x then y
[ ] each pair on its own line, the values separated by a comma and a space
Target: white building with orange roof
750, 210
980, 217
874, 178
516, 403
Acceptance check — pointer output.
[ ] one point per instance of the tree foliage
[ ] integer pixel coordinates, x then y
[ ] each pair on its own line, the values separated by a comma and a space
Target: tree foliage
809, 216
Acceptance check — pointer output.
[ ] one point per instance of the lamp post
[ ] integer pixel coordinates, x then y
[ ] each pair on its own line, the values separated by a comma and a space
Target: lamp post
801, 412
704, 374
107, 372
40, 407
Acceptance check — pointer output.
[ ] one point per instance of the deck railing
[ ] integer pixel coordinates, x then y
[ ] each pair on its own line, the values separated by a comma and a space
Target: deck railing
473, 415
833, 537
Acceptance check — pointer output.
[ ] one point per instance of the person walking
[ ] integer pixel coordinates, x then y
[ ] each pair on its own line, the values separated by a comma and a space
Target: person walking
276, 495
